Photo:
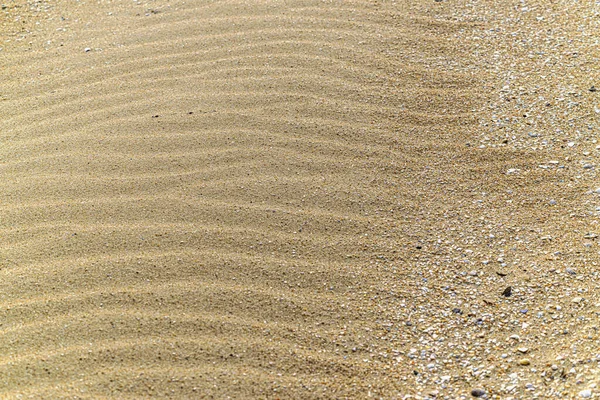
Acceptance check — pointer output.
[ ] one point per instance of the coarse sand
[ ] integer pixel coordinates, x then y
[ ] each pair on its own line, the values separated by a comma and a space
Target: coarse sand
299, 199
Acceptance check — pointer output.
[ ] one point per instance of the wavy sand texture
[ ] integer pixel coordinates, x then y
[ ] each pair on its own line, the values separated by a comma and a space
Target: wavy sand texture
258, 199
195, 194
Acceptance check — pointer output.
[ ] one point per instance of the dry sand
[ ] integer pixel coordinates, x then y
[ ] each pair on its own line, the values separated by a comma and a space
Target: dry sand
299, 199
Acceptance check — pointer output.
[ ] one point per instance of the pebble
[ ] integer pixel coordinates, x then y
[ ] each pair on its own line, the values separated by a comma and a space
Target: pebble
87, 49
507, 292
577, 300
586, 394
523, 350
524, 361
477, 392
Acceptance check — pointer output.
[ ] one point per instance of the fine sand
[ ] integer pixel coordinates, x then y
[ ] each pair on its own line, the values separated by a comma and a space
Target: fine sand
298, 199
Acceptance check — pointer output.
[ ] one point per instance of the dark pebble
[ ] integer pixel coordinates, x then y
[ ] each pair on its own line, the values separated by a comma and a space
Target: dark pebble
457, 311
507, 292
593, 89
477, 392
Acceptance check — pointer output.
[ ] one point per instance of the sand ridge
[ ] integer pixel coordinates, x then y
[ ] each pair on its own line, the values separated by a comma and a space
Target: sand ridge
299, 199
193, 195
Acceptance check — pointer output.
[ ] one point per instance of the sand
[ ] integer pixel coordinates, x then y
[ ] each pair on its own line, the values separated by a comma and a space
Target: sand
298, 199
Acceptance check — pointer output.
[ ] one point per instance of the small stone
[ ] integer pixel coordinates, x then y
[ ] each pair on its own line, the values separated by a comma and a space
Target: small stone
593, 89
586, 394
570, 271
577, 300
588, 166
523, 350
507, 292
524, 361
87, 49
477, 392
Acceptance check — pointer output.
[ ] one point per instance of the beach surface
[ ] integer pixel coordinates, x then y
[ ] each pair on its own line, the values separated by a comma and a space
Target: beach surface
299, 199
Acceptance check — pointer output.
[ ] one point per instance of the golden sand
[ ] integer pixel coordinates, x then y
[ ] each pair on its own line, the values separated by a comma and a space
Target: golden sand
297, 199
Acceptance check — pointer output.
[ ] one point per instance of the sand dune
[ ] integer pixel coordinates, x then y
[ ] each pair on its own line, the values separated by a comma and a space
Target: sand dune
229, 199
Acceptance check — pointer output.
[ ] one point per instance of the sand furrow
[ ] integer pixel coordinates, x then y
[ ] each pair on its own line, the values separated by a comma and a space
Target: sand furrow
209, 199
